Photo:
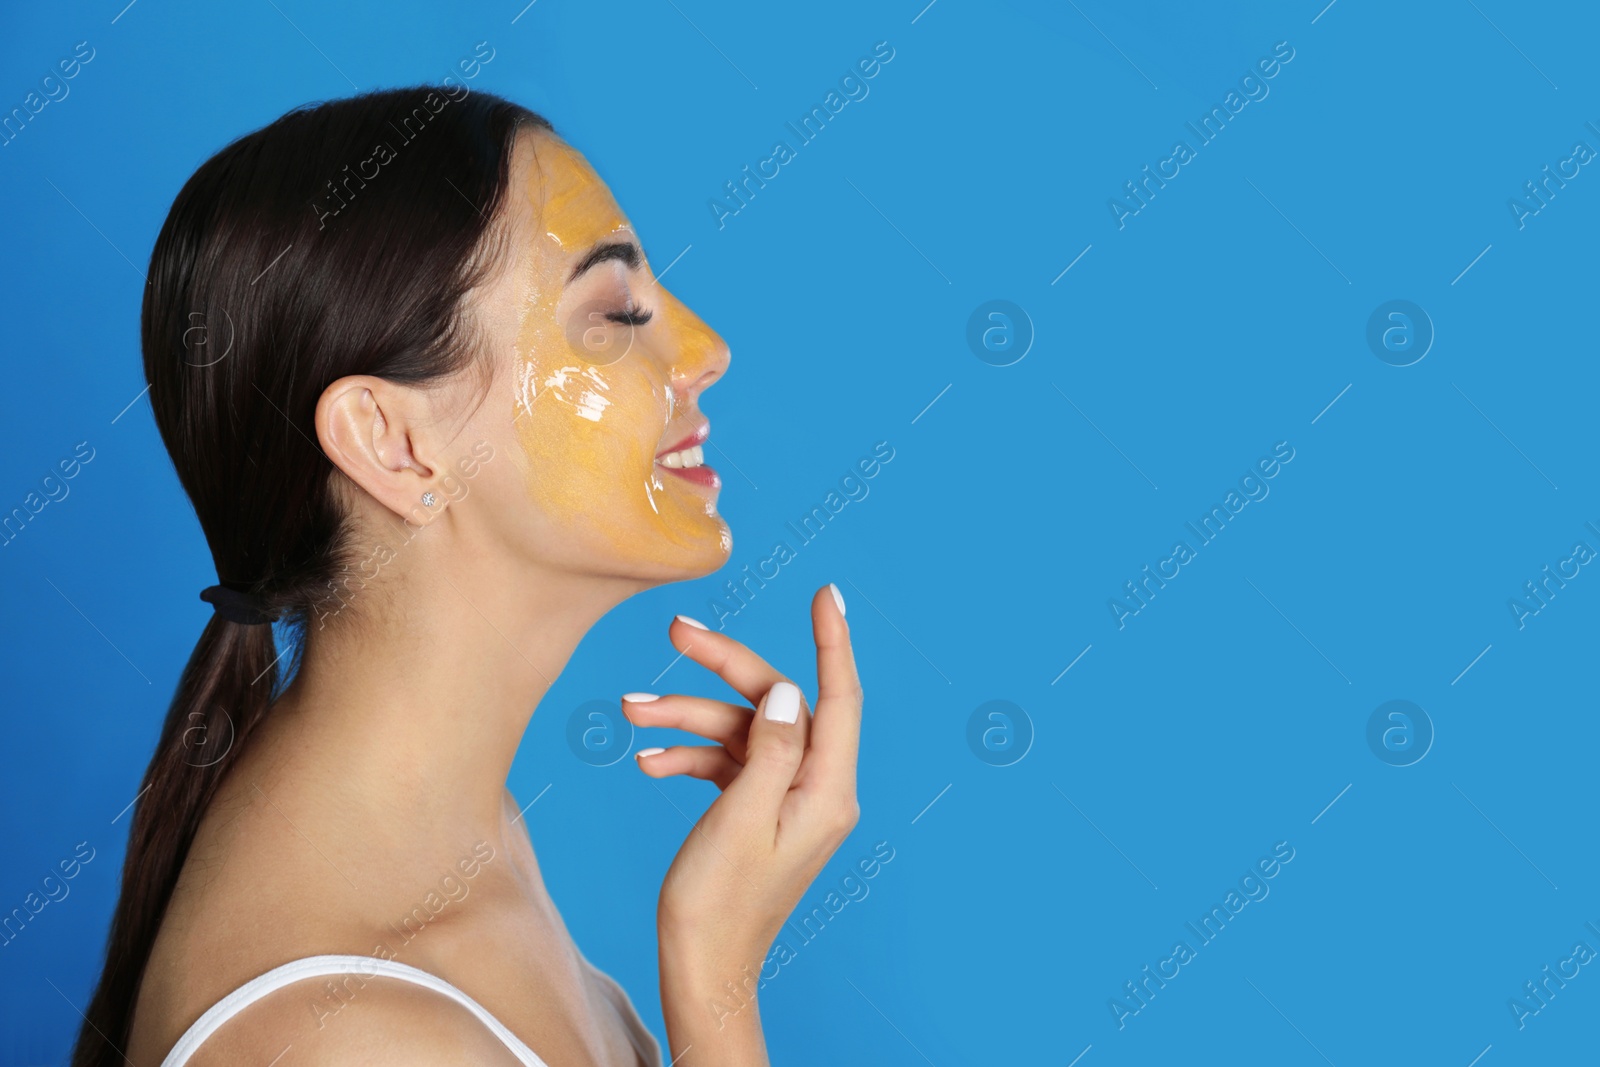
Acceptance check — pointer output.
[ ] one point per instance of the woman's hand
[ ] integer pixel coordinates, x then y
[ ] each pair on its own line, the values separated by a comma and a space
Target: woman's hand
788, 781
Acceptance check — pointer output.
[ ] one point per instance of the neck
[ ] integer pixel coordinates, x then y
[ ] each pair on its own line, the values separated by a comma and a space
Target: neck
409, 706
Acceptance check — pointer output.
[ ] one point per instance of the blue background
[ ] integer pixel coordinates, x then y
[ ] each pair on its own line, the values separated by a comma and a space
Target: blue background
1223, 318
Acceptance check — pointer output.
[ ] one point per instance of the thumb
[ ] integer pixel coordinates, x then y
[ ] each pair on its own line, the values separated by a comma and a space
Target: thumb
775, 748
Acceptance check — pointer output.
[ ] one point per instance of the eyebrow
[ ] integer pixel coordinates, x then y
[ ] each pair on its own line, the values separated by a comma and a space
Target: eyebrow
623, 251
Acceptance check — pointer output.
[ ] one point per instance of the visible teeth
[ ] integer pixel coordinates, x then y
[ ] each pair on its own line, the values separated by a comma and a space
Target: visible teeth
688, 457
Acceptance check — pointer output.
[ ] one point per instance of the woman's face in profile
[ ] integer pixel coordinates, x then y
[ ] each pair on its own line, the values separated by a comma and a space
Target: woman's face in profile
602, 370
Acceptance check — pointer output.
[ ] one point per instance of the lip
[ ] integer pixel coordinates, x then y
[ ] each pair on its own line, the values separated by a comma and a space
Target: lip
701, 432
703, 475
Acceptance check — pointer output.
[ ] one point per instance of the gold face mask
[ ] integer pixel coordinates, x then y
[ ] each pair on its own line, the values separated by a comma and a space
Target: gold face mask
608, 370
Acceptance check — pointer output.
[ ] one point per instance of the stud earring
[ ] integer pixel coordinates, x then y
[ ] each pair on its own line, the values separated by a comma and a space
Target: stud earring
428, 500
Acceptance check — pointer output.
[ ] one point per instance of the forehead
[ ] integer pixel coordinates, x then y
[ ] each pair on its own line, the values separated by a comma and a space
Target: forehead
571, 205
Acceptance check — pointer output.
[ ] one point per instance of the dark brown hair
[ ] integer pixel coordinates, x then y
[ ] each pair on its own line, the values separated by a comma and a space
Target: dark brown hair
341, 239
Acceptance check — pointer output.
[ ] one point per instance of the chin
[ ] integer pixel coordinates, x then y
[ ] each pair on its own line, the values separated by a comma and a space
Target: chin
721, 549
677, 558
708, 554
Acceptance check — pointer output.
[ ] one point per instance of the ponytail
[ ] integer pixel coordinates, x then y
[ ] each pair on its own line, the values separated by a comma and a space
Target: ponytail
223, 695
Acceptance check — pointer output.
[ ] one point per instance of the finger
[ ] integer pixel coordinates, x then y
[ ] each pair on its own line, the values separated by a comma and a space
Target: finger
710, 763
777, 746
715, 720
753, 678
836, 726
747, 673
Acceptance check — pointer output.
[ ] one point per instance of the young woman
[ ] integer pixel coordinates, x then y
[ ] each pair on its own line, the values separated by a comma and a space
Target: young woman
436, 417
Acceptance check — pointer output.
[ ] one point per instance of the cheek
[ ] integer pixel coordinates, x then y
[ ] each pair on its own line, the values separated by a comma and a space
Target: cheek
590, 434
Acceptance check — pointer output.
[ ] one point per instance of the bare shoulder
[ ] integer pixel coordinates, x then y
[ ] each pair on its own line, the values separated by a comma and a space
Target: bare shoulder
358, 1021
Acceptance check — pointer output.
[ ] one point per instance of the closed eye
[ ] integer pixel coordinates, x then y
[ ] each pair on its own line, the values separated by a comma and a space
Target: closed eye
635, 317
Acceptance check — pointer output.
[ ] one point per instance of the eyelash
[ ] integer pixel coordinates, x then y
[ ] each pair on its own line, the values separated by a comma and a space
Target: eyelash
631, 318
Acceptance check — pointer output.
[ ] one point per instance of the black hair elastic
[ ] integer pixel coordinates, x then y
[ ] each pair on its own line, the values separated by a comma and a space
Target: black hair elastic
236, 605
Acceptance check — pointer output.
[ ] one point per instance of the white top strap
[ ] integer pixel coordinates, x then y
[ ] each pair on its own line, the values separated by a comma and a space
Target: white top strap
321, 966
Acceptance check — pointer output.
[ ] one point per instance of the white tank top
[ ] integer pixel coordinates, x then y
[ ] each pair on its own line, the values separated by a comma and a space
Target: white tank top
372, 967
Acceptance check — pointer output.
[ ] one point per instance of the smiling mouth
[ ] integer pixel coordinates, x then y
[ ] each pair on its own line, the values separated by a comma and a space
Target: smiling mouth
686, 459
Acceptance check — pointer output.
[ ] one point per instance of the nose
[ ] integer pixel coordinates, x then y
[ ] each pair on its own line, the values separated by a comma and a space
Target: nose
698, 357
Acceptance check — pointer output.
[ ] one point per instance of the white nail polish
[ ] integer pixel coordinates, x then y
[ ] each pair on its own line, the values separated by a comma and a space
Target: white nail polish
639, 698
783, 703
693, 622
643, 752
838, 597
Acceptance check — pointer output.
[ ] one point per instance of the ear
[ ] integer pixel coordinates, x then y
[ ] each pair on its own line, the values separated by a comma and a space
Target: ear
371, 430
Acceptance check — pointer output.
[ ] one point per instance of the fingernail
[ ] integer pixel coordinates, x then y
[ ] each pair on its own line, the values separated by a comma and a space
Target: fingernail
639, 698
783, 703
643, 752
838, 597
693, 622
